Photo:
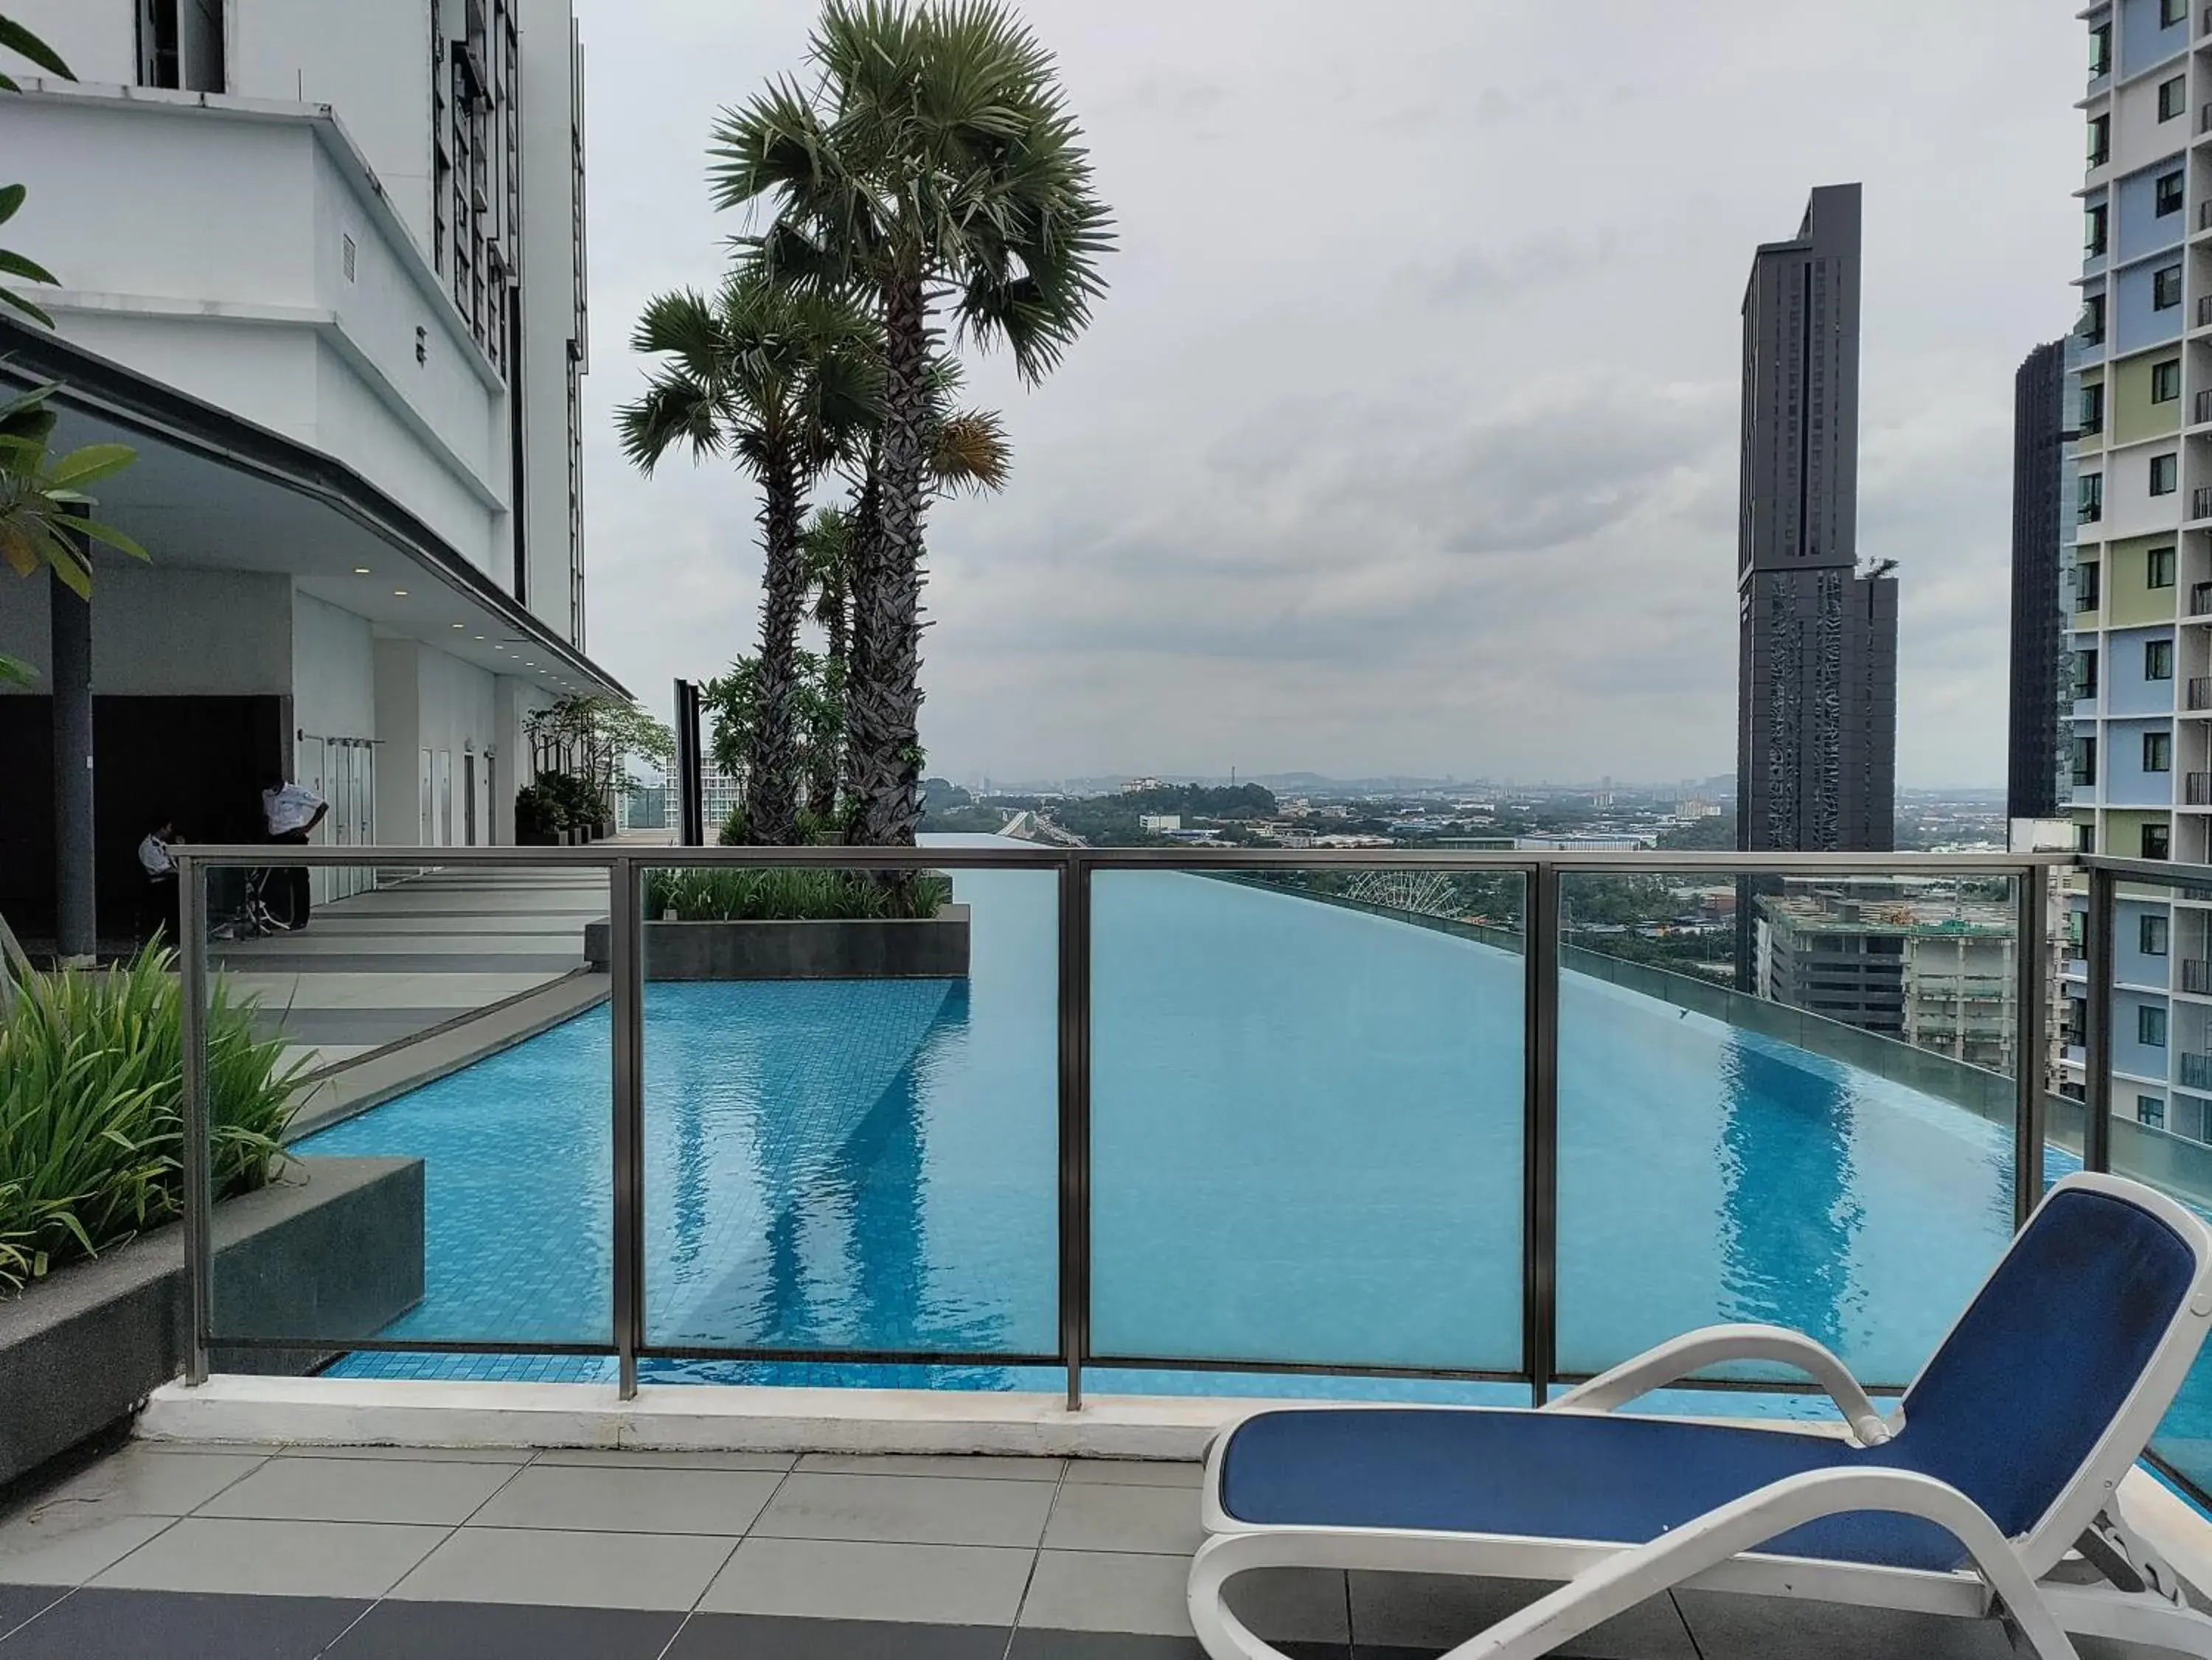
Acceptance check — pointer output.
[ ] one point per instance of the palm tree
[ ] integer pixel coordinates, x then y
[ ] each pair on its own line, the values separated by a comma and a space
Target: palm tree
784, 381
937, 169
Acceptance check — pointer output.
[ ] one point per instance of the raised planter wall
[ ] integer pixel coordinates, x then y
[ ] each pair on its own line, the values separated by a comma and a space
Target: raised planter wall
923, 948
334, 1248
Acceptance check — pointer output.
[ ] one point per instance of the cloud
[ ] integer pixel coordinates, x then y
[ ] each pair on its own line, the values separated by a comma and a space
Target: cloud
1404, 440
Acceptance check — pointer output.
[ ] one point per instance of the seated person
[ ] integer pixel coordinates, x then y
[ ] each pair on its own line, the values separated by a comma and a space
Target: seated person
159, 908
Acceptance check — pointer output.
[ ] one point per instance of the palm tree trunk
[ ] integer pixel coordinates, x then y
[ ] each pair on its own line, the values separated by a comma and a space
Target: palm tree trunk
771, 814
886, 699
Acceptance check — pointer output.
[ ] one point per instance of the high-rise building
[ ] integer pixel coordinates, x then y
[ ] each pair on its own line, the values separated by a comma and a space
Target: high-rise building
321, 264
2039, 532
2135, 584
1816, 691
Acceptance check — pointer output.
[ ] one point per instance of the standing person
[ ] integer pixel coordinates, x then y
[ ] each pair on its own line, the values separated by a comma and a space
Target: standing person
158, 909
291, 812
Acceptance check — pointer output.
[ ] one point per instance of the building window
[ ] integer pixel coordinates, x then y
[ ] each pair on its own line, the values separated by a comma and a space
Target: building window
2100, 140
2100, 50
2158, 568
2151, 1112
2169, 192
2172, 12
2151, 936
2157, 842
2085, 837
2085, 763
2085, 670
2165, 475
2172, 97
2090, 327
2093, 235
2158, 660
180, 44
350, 256
2091, 417
2150, 1026
2087, 596
2158, 752
2165, 381
2089, 498
2166, 294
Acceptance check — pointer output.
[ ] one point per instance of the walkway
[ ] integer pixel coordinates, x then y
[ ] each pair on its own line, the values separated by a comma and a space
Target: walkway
375, 1553
387, 966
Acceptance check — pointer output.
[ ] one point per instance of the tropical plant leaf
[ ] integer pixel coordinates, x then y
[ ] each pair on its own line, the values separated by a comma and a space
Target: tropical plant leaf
36, 312
19, 40
11, 195
114, 538
94, 461
16, 548
30, 270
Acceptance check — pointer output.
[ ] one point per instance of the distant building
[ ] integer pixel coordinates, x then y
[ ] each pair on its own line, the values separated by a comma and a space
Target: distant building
1816, 737
720, 795
1159, 824
2041, 674
1930, 969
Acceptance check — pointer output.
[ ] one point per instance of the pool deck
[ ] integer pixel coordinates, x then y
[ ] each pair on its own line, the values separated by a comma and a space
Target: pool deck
172, 1553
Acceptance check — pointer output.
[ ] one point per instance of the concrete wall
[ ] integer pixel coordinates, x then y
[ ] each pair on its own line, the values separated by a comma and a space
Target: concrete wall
398, 683
371, 63
2136, 319
2140, 42
334, 663
2126, 783
553, 302
2128, 688
158, 632
2141, 228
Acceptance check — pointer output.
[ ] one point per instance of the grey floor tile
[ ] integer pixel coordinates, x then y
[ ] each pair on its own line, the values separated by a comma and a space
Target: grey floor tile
1133, 1473
853, 1580
1729, 1628
1030, 1645
1103, 1591
916, 1510
505, 1631
140, 1481
275, 1558
570, 1570
980, 1466
362, 1490
1097, 1517
419, 1455
19, 1603
597, 1498
70, 1544
1435, 1612
663, 1459
770, 1637
149, 1624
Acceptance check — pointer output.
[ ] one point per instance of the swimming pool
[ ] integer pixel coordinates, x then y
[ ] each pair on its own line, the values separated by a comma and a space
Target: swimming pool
1306, 1146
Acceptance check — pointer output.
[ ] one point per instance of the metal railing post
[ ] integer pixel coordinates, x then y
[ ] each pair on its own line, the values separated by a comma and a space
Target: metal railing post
2031, 993
1075, 1122
2097, 1027
199, 1199
1540, 1132
627, 1022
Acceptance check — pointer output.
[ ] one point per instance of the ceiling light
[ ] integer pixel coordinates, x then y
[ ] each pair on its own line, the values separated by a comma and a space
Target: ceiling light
399, 593
460, 625
479, 636
360, 570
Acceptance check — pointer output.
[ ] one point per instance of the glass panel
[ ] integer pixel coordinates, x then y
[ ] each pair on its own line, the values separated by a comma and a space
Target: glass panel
1306, 1116
1782, 1101
448, 1163
2162, 1096
851, 1111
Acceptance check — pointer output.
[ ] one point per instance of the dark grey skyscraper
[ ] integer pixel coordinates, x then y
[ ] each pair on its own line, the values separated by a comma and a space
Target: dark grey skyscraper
2040, 530
1816, 686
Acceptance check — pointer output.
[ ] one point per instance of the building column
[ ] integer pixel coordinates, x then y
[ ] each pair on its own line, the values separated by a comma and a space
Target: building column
75, 915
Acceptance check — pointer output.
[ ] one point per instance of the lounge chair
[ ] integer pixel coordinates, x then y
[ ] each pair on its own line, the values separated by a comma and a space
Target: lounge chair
1991, 1491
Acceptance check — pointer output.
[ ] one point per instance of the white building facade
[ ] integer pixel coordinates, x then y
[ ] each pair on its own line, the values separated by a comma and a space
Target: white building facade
335, 251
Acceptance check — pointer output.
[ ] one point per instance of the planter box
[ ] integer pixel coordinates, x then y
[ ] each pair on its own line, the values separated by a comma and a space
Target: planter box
923, 948
334, 1248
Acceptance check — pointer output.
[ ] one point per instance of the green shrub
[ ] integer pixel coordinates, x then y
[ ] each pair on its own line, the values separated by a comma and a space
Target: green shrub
789, 895
92, 1109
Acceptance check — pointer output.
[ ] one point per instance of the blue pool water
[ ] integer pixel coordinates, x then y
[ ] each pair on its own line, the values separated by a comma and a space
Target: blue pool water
1307, 1129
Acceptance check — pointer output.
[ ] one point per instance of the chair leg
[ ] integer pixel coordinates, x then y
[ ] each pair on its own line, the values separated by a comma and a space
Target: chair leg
1220, 1632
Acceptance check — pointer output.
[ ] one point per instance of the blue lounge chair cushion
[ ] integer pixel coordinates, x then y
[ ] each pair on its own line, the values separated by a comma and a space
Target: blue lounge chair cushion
2011, 1406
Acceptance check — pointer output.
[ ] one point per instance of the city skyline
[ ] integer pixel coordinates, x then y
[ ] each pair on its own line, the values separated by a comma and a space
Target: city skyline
1525, 416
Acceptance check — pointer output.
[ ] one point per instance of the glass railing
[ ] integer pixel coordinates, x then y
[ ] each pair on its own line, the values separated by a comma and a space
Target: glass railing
997, 1115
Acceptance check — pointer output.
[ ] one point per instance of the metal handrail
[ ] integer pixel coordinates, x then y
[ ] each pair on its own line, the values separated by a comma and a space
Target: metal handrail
1540, 869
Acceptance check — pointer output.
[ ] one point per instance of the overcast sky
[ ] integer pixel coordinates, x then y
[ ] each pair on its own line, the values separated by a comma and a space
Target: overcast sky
1405, 439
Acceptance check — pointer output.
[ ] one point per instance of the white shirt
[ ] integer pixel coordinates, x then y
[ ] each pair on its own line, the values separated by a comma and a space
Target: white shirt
154, 854
293, 808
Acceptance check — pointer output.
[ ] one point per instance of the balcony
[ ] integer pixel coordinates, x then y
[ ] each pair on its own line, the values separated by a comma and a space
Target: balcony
2199, 695
2196, 790
2200, 599
2196, 1070
2200, 502
1179, 1116
2200, 407
2197, 976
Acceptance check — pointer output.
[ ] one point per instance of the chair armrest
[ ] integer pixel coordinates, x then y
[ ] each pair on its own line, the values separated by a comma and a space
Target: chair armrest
1678, 1357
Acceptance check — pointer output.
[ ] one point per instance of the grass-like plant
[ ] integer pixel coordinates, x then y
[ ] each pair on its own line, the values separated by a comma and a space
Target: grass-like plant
92, 1109
789, 895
